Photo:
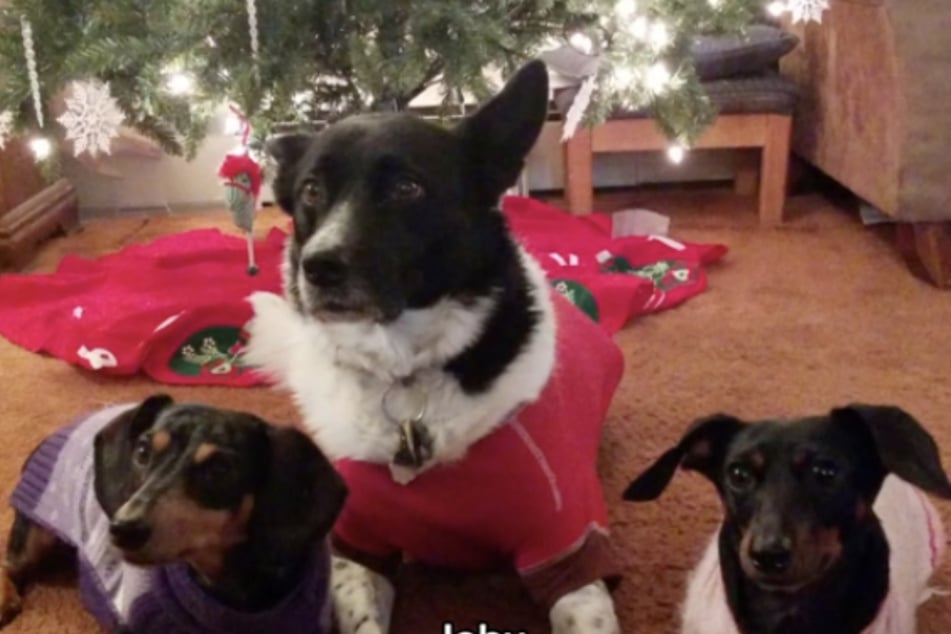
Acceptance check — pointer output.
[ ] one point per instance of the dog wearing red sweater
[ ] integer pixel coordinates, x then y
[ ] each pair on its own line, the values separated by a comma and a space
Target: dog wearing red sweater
461, 399
826, 530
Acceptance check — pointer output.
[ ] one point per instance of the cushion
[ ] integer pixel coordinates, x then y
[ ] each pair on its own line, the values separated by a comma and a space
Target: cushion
765, 93
752, 52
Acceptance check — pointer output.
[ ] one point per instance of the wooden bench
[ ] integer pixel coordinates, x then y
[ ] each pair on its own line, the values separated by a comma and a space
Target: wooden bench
754, 113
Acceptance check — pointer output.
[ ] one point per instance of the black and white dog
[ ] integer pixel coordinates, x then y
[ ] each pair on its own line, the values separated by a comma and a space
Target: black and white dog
417, 336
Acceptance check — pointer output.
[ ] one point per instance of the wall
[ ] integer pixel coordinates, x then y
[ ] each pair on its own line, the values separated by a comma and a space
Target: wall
174, 183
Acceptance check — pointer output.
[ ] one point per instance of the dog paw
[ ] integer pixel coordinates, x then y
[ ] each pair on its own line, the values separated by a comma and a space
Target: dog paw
10, 603
363, 600
588, 610
267, 304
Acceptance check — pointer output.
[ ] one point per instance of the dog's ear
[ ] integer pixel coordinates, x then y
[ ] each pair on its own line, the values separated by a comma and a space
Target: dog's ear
113, 451
298, 500
904, 447
287, 151
702, 448
501, 133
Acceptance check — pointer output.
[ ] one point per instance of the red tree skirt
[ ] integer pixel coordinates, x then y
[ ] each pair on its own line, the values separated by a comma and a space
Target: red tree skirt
175, 308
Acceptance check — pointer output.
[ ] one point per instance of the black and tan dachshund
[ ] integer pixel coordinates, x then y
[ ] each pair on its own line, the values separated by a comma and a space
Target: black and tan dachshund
817, 537
184, 518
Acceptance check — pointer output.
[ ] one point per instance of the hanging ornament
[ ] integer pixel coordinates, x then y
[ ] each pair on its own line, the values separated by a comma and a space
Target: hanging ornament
242, 177
579, 105
30, 52
92, 118
807, 10
800, 10
255, 35
6, 127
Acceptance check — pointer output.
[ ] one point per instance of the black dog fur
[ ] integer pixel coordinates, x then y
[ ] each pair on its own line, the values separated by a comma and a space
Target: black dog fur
800, 548
433, 193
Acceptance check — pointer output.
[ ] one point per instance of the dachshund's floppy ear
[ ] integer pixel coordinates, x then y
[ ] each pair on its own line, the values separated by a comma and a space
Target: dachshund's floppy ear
287, 150
298, 499
113, 451
904, 447
703, 449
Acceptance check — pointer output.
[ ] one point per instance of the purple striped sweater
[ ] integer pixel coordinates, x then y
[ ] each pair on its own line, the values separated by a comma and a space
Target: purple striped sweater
56, 491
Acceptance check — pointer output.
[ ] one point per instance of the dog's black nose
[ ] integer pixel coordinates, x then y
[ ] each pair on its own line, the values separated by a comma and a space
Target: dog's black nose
130, 534
772, 556
325, 270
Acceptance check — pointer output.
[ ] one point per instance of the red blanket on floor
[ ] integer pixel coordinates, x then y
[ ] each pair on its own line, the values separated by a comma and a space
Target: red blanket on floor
175, 308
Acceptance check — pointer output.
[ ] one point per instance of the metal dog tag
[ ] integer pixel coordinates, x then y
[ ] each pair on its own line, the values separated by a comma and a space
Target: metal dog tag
409, 453
406, 408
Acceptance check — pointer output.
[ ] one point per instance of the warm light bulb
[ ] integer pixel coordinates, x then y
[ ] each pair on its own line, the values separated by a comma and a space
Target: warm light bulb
776, 8
625, 9
658, 77
659, 35
41, 147
639, 28
232, 124
581, 42
622, 77
179, 83
676, 153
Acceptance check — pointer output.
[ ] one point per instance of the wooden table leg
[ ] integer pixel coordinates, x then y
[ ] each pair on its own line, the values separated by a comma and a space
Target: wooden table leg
775, 168
928, 247
579, 172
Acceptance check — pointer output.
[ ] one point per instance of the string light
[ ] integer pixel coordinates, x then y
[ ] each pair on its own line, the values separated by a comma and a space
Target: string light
581, 42
622, 77
232, 124
657, 78
179, 83
41, 148
625, 9
639, 28
776, 8
676, 153
659, 36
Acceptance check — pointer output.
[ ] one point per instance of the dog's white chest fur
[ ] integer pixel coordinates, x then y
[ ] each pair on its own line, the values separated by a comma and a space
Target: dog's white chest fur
339, 372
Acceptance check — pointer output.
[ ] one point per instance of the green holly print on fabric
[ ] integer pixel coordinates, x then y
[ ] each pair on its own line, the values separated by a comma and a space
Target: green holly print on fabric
578, 295
665, 274
215, 350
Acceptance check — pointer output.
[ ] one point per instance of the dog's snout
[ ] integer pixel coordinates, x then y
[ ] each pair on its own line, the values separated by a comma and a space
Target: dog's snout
326, 270
771, 555
130, 534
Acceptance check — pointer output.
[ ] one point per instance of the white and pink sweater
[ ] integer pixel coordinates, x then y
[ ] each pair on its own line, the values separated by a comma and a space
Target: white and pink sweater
916, 539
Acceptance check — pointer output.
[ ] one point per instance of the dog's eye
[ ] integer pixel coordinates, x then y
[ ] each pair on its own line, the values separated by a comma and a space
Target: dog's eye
142, 452
313, 194
740, 477
405, 190
825, 472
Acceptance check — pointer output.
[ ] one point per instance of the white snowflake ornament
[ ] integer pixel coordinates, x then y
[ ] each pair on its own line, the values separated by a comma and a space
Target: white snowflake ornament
6, 127
807, 10
92, 118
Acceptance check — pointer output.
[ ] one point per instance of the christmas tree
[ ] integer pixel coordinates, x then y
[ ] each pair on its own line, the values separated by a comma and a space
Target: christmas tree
163, 66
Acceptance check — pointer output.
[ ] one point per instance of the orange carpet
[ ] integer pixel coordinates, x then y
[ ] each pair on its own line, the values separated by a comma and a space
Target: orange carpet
817, 313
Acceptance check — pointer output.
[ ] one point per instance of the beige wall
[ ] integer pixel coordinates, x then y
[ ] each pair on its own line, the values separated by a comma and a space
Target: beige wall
179, 184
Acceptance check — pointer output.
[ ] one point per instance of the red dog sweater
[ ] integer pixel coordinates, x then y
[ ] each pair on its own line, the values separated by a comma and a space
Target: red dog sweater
527, 494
